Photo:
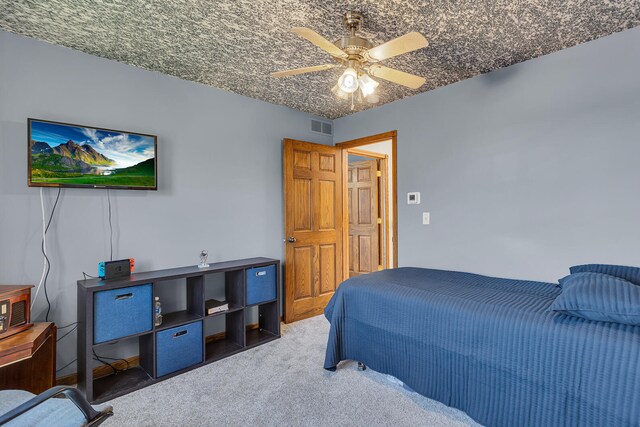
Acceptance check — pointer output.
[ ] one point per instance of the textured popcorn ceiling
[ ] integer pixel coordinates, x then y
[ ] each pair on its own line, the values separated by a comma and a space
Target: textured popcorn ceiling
235, 44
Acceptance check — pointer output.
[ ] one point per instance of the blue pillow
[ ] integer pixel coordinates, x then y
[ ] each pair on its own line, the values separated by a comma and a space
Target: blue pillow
596, 296
630, 274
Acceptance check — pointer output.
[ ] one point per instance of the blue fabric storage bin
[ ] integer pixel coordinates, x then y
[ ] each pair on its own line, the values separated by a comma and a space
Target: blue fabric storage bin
178, 348
122, 312
261, 284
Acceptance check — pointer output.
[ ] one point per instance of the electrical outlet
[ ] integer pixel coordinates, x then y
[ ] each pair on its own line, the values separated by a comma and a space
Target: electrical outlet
426, 218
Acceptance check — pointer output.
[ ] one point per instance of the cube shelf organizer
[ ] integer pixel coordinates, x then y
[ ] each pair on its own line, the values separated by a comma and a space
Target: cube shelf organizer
120, 312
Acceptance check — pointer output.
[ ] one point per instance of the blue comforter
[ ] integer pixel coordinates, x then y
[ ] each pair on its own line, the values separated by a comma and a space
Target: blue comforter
489, 347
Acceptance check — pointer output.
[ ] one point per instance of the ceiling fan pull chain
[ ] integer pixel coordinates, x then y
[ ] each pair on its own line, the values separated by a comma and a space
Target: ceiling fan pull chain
352, 105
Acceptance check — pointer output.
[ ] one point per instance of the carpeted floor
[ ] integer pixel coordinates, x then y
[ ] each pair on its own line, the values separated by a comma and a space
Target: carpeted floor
282, 383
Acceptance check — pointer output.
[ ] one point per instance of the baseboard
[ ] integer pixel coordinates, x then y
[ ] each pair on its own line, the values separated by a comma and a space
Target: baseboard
104, 370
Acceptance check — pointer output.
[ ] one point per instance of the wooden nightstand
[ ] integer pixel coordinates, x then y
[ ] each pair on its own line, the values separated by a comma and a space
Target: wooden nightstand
28, 359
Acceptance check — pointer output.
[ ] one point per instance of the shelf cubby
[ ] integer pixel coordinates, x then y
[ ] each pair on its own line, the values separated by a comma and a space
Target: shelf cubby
227, 286
180, 295
177, 318
112, 386
124, 381
228, 342
268, 326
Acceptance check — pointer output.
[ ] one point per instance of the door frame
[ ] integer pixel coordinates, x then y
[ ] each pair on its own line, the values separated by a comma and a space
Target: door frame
359, 142
383, 202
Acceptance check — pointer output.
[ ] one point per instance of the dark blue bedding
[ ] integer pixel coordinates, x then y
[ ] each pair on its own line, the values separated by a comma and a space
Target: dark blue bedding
489, 347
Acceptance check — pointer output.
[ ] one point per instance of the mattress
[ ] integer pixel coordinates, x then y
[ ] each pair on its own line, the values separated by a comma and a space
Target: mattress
488, 346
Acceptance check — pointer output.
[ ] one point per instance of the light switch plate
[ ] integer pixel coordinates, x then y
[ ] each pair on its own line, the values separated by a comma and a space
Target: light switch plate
426, 218
413, 198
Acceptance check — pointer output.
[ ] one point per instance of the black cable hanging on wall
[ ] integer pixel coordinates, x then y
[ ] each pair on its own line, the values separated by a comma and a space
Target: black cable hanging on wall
44, 253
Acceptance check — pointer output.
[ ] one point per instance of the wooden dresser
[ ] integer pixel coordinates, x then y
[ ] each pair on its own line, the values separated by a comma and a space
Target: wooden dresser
28, 359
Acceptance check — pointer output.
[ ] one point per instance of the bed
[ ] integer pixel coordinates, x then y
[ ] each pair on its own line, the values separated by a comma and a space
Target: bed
489, 347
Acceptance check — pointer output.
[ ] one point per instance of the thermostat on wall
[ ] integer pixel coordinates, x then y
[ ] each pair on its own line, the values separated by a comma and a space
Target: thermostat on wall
413, 198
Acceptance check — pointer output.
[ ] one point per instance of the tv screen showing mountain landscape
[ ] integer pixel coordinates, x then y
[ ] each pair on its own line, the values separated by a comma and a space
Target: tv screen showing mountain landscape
79, 156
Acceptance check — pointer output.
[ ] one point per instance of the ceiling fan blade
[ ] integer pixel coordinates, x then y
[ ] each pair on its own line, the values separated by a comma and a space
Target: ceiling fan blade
303, 70
396, 76
398, 46
319, 41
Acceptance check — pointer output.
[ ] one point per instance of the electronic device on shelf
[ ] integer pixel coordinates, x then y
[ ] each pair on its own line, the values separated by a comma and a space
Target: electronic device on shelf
214, 306
115, 269
15, 309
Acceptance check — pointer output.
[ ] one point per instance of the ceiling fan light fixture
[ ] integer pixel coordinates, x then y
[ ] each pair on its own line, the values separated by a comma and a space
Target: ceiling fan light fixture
359, 54
339, 92
373, 98
348, 81
367, 85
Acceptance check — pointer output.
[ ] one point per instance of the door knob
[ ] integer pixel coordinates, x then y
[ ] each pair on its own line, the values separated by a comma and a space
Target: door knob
291, 240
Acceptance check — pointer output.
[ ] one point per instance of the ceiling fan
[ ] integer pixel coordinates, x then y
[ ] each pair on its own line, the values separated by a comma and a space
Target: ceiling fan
357, 53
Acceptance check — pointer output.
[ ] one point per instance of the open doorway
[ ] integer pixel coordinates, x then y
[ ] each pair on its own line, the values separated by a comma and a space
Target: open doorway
370, 204
316, 218
368, 228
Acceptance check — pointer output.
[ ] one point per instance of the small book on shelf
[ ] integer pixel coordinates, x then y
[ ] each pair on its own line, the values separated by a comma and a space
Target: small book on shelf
214, 306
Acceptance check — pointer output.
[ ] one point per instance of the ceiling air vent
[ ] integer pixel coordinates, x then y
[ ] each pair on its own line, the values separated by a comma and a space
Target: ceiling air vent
324, 128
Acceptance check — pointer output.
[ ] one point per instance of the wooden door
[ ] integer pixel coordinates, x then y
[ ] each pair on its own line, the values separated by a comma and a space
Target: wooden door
313, 227
364, 217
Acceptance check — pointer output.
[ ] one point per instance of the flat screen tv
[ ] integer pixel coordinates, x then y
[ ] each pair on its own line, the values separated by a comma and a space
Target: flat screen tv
66, 155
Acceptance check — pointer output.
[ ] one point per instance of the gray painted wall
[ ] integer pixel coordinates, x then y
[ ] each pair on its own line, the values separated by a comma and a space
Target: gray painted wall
220, 173
525, 170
